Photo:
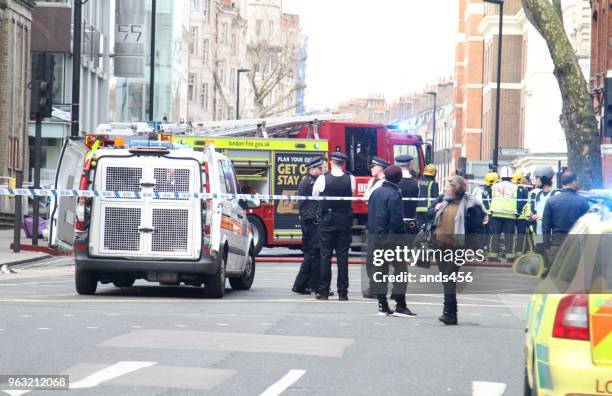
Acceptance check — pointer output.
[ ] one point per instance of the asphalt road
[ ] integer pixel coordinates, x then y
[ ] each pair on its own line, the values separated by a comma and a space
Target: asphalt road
152, 340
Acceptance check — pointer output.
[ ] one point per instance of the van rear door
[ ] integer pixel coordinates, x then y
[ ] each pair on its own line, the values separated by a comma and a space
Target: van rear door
63, 209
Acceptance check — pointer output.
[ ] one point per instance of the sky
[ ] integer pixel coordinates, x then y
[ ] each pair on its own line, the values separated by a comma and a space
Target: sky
390, 47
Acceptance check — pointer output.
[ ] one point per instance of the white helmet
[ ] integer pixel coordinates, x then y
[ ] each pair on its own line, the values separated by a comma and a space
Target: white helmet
504, 172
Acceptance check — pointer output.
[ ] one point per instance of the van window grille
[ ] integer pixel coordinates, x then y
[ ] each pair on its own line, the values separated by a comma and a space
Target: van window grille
172, 180
121, 229
123, 179
171, 230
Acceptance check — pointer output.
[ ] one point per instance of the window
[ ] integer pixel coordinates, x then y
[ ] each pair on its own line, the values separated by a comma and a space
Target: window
14, 157
258, 24
271, 28
204, 97
222, 181
193, 46
402, 149
195, 5
191, 90
206, 8
222, 71
234, 43
224, 33
232, 80
231, 111
569, 257
205, 45
229, 176
361, 146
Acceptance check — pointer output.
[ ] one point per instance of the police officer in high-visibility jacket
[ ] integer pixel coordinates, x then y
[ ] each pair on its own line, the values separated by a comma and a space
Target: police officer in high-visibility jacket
428, 192
523, 212
504, 211
409, 187
335, 222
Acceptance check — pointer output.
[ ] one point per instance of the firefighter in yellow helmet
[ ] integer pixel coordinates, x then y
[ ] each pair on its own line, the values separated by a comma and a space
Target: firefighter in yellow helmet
428, 192
504, 213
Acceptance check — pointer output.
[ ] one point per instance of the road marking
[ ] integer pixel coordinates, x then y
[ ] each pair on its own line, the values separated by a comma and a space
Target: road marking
480, 388
343, 324
43, 328
475, 314
180, 325
229, 341
109, 373
223, 324
265, 324
92, 327
25, 316
112, 314
281, 385
136, 327
68, 315
307, 324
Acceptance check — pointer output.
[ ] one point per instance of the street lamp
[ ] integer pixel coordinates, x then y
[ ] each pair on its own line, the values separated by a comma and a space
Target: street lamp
238, 73
498, 98
433, 135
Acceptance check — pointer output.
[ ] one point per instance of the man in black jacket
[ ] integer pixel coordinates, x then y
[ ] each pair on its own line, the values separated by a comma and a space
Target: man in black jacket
307, 279
385, 218
561, 213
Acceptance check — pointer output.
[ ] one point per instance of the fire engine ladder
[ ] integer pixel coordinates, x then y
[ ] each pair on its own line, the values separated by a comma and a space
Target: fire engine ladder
264, 127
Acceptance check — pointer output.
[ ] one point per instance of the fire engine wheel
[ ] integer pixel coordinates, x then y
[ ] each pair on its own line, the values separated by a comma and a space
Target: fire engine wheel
259, 233
245, 281
214, 286
85, 282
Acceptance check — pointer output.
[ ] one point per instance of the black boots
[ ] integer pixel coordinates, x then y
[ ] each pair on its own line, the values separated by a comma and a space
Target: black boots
383, 309
448, 320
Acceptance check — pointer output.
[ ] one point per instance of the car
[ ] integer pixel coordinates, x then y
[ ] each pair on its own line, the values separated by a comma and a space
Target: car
159, 229
568, 343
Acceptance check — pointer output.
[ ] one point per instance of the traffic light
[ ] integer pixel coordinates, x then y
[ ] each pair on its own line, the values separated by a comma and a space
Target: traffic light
607, 114
42, 84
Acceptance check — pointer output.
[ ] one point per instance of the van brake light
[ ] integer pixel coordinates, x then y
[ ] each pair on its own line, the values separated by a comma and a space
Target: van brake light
80, 224
572, 318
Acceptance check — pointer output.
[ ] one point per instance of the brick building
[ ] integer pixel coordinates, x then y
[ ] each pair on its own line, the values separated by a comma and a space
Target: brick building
15, 60
601, 68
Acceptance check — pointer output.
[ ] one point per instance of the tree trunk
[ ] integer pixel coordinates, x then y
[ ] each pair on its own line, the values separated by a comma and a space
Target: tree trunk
577, 115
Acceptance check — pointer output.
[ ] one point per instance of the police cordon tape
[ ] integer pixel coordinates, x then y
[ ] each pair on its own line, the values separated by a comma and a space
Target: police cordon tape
36, 192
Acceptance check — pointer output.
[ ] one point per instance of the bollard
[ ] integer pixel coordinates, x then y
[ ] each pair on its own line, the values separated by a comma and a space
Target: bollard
18, 215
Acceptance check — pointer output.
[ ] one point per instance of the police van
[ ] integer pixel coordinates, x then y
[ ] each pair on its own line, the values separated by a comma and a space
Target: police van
145, 219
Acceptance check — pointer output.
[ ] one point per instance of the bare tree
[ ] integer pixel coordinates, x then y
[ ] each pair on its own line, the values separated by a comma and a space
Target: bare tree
270, 68
577, 115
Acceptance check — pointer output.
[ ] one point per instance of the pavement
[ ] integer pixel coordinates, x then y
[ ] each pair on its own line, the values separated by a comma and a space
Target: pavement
154, 340
8, 257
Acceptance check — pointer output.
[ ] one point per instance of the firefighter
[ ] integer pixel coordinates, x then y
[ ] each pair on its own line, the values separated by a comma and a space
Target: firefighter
428, 192
504, 209
377, 169
410, 189
523, 210
335, 219
307, 279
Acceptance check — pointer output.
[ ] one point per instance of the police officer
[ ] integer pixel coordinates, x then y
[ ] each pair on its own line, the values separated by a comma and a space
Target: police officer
377, 169
539, 197
428, 192
504, 210
523, 209
409, 187
335, 221
307, 279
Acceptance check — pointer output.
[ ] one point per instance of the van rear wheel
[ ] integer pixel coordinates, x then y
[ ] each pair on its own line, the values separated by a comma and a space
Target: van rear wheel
245, 281
86, 282
214, 286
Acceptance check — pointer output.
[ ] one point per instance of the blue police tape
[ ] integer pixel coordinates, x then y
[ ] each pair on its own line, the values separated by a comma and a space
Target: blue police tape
32, 192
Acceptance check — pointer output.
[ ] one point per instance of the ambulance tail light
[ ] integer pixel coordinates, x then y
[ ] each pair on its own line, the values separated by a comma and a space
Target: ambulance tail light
572, 318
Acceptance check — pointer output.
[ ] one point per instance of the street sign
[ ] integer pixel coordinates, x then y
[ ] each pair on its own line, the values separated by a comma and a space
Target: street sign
513, 151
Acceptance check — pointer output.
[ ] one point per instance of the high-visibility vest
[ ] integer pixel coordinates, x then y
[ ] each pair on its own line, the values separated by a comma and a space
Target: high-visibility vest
425, 191
504, 200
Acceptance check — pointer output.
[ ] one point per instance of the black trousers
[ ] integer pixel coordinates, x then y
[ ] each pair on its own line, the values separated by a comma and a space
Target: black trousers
310, 270
501, 225
335, 236
398, 289
450, 288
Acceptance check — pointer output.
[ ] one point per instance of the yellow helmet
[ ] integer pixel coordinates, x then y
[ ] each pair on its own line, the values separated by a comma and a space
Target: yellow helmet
430, 170
518, 178
491, 178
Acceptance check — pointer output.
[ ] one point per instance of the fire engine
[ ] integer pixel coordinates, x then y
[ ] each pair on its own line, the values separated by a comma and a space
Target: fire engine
270, 156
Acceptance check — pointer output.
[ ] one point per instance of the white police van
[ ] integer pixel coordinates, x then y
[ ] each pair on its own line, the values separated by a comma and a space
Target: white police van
160, 231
